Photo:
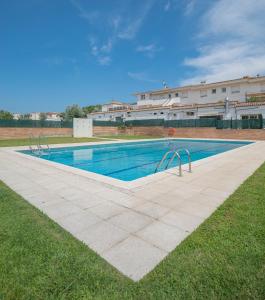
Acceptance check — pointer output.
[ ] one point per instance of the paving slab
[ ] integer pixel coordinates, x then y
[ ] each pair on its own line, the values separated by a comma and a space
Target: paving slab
78, 222
163, 236
107, 210
130, 221
182, 220
102, 236
152, 210
134, 257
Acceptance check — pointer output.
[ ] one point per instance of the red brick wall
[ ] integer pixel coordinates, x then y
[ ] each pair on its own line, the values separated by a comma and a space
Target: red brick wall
11, 132
247, 134
240, 134
104, 130
152, 131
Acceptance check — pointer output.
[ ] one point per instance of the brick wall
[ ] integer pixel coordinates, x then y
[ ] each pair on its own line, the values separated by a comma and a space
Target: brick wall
11, 132
247, 134
235, 134
104, 130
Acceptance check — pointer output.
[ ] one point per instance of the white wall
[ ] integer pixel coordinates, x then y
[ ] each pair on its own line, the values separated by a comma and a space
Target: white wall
82, 127
194, 95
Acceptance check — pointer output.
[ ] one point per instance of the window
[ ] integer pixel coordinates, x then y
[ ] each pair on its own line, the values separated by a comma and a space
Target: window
161, 113
249, 117
235, 89
224, 90
190, 113
155, 114
184, 94
142, 97
177, 94
174, 115
169, 96
213, 91
203, 93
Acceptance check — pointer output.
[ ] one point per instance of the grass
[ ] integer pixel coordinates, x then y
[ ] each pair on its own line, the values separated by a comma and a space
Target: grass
131, 137
49, 140
66, 140
223, 259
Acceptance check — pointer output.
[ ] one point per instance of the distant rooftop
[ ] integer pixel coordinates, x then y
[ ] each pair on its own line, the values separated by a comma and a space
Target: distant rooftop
203, 84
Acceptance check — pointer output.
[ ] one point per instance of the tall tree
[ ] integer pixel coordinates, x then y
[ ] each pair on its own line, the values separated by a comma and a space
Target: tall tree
91, 108
73, 111
6, 115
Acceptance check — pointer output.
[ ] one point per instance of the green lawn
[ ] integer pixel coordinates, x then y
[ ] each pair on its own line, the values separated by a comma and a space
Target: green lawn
50, 140
65, 140
131, 137
223, 259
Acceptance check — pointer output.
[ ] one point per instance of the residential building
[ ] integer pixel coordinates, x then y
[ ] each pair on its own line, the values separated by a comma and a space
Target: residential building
50, 116
237, 99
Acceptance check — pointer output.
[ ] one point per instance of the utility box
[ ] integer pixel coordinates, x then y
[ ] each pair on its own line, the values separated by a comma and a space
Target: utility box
82, 127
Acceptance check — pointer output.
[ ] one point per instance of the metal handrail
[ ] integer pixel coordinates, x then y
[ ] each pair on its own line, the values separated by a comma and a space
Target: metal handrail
175, 153
163, 159
180, 163
40, 145
189, 157
39, 148
31, 148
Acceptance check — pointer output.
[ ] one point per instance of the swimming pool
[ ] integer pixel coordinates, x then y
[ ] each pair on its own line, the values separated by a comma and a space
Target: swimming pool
133, 160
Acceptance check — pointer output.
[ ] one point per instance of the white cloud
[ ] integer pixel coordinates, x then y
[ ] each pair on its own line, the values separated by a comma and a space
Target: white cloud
122, 24
149, 50
133, 25
234, 42
141, 76
101, 52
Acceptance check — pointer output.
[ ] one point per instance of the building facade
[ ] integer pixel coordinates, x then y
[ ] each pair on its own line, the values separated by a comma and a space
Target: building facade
232, 99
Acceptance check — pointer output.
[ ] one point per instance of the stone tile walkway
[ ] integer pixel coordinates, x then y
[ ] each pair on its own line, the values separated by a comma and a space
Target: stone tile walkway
133, 228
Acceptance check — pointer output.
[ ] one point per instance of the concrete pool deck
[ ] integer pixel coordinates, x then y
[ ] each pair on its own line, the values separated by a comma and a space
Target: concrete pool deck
131, 225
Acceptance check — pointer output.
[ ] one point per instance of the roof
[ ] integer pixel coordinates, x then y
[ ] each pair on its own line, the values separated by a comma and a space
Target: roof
172, 107
116, 102
189, 106
203, 85
244, 104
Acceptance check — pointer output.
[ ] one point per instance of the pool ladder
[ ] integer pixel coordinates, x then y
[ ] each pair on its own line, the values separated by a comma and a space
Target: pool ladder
175, 154
39, 147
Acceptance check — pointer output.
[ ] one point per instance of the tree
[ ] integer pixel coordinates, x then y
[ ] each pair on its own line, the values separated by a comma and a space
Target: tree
73, 111
91, 108
6, 115
43, 116
252, 99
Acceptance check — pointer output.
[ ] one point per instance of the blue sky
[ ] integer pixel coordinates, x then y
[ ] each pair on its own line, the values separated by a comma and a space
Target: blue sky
57, 53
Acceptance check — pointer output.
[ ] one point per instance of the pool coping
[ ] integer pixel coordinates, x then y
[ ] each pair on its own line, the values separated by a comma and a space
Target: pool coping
117, 183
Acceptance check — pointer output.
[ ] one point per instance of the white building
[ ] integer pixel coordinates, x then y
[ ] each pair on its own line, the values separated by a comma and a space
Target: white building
237, 99
50, 116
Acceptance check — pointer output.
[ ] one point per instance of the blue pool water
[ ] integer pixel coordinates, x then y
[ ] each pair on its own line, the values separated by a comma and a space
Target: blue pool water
129, 161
